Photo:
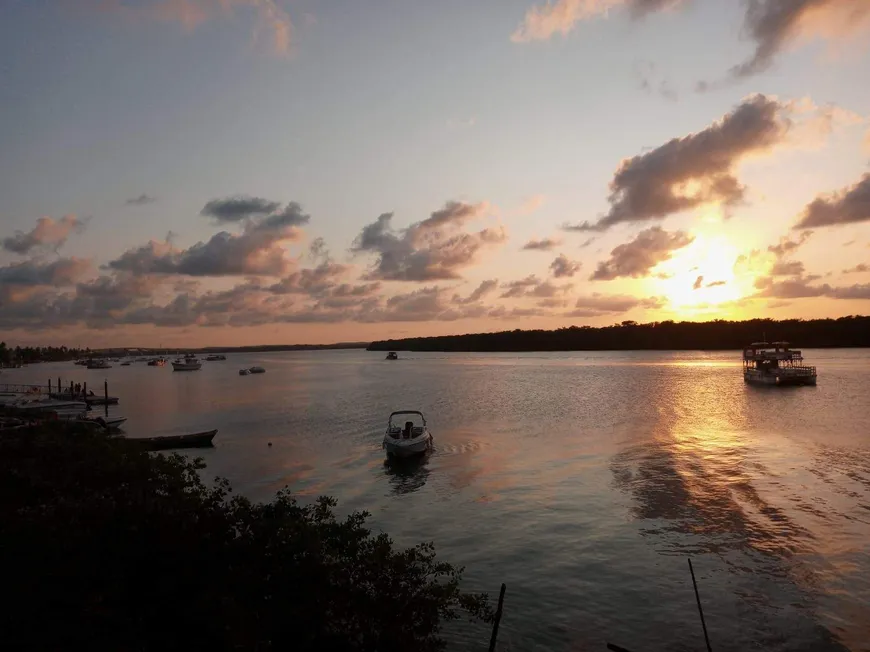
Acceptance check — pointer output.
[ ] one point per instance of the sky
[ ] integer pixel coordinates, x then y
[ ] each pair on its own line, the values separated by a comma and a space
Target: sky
234, 172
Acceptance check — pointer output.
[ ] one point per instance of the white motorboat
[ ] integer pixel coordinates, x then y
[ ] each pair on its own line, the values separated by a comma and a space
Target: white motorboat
392, 355
41, 403
98, 363
776, 364
412, 438
188, 363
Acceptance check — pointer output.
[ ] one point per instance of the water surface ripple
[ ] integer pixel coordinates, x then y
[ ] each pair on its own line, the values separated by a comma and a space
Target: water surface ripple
582, 480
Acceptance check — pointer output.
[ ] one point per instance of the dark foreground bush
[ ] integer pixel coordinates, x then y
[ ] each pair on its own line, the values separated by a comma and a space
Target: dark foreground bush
107, 548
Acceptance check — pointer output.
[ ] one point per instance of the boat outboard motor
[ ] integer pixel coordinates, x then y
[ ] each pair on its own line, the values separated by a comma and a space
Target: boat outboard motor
409, 426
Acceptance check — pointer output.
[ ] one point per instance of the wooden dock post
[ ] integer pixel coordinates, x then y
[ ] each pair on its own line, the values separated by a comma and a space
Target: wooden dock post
700, 610
49, 385
498, 613
106, 396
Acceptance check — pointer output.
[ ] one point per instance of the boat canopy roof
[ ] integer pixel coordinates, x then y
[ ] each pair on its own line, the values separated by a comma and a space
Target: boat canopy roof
400, 412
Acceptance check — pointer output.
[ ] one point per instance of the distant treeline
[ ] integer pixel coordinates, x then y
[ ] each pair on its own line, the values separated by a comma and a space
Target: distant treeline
10, 356
262, 348
665, 335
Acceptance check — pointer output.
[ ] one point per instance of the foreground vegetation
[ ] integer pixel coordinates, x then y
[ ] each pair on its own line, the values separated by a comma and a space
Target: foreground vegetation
665, 335
109, 548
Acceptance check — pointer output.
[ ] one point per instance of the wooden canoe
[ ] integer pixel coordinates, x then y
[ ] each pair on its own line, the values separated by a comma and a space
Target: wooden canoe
196, 440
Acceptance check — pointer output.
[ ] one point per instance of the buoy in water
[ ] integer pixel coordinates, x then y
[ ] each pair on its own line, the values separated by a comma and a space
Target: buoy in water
270, 443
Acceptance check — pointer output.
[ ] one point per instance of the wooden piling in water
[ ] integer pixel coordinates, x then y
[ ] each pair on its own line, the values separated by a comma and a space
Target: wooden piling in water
700, 610
106, 396
498, 613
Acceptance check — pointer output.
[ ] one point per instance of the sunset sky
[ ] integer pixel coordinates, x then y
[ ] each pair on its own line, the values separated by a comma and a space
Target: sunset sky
229, 172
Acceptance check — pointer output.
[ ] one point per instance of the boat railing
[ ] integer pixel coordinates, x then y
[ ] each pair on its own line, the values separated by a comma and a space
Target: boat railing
797, 370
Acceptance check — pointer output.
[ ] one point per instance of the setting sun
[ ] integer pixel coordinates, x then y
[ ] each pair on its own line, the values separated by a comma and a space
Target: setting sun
701, 275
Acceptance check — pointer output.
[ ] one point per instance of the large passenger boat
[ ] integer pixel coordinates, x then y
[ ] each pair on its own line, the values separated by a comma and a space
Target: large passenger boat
776, 364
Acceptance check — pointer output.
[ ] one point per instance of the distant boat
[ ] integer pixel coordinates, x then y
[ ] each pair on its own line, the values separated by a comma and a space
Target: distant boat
196, 440
189, 363
157, 362
125, 364
99, 363
392, 355
776, 364
251, 370
215, 357
410, 439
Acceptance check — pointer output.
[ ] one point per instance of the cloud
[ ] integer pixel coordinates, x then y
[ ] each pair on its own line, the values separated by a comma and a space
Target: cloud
562, 267
699, 283
482, 290
316, 281
256, 251
252, 253
848, 206
800, 288
59, 273
547, 244
141, 200
775, 24
47, 234
787, 268
271, 17
434, 249
548, 290
531, 204
560, 16
601, 304
857, 269
519, 288
716, 284
238, 208
694, 170
636, 258
646, 74
787, 246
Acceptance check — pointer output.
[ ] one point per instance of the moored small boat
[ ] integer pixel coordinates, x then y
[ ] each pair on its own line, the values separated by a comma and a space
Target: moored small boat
188, 363
169, 442
251, 370
98, 363
157, 362
215, 357
109, 423
392, 355
776, 364
411, 439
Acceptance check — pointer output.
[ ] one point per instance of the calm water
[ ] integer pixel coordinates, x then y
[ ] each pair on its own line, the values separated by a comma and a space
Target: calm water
582, 480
